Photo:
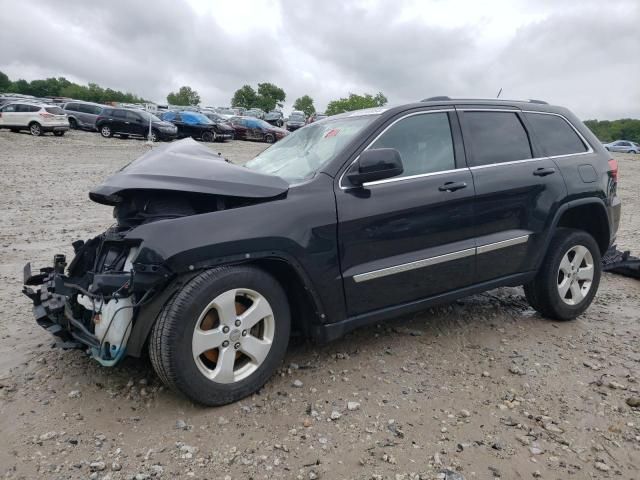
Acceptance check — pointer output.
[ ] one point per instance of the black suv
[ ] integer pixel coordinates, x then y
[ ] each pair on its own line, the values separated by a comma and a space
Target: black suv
198, 126
129, 122
359, 218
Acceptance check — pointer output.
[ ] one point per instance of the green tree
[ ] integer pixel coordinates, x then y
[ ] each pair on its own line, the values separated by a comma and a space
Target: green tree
245, 97
610, 130
20, 86
5, 83
269, 96
305, 103
185, 96
356, 102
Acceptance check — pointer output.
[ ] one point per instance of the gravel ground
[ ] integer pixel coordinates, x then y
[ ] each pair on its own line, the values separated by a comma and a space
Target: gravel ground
482, 388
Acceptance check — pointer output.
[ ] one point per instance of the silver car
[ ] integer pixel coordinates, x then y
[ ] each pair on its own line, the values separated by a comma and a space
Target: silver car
624, 146
82, 114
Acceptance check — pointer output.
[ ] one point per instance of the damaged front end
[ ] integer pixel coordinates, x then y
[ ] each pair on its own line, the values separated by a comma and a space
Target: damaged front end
93, 304
118, 277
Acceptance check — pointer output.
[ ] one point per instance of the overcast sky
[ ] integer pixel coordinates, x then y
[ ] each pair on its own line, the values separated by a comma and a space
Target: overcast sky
583, 54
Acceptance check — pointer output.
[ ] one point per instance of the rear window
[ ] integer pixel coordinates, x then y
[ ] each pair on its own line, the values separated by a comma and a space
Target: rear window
555, 135
496, 137
54, 110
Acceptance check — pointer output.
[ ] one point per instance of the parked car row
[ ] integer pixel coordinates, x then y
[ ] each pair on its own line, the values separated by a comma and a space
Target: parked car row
19, 114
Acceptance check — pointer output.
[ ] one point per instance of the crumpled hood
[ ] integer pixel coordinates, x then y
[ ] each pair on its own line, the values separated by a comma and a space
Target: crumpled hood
186, 166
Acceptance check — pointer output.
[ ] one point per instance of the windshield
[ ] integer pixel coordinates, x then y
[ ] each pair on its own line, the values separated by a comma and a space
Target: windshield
148, 116
296, 118
300, 155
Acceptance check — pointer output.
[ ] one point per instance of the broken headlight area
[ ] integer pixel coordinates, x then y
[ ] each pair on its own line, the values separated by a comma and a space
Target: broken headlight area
94, 303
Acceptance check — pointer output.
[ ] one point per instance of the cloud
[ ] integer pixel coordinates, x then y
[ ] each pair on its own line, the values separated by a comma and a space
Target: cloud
582, 54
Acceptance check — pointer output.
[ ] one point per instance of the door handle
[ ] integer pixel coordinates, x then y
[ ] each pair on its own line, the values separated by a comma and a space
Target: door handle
452, 186
127, 123
543, 172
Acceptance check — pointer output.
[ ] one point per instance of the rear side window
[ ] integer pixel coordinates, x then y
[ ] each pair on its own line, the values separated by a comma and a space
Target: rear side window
55, 110
9, 108
496, 137
555, 135
120, 113
423, 141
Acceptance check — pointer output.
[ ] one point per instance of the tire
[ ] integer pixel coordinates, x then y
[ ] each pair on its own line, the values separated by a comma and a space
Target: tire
155, 136
564, 288
635, 152
73, 123
208, 136
269, 138
35, 129
58, 133
176, 332
105, 131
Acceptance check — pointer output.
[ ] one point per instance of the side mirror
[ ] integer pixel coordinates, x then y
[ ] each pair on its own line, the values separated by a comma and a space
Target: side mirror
376, 164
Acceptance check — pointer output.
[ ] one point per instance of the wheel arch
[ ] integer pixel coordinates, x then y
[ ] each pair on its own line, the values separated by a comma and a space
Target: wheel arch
589, 215
305, 305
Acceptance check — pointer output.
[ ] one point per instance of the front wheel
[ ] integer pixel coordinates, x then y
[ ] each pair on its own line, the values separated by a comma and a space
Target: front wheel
208, 136
222, 336
568, 278
269, 138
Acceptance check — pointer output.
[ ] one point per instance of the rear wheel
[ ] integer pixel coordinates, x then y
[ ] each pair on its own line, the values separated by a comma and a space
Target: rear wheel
36, 129
106, 131
222, 336
568, 278
58, 133
73, 123
208, 136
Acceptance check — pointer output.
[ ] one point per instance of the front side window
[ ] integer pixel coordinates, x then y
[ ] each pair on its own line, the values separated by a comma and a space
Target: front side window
496, 137
555, 135
133, 117
122, 114
423, 141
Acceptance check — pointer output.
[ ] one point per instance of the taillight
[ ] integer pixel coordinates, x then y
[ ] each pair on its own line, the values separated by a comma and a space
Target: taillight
613, 169
46, 115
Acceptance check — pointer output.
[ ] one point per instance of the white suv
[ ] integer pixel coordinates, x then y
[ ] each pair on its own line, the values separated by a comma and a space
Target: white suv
34, 117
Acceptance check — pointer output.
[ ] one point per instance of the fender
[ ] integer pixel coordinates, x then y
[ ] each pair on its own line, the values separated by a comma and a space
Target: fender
556, 219
148, 315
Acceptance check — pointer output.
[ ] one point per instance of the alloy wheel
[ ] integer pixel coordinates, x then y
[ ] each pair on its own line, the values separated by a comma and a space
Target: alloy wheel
105, 131
35, 129
233, 335
575, 275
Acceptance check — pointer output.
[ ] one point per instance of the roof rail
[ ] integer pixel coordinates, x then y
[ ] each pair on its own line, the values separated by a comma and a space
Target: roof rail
542, 102
435, 99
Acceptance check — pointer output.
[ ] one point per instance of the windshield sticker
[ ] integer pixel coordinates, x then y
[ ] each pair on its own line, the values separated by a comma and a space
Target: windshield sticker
332, 133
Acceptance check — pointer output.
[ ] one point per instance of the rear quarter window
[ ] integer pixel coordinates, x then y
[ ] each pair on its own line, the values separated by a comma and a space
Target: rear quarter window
55, 110
555, 135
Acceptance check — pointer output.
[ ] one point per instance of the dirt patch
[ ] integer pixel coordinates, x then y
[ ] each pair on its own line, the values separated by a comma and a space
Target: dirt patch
481, 388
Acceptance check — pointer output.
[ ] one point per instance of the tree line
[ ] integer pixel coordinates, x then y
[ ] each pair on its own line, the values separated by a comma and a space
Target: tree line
61, 87
610, 130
